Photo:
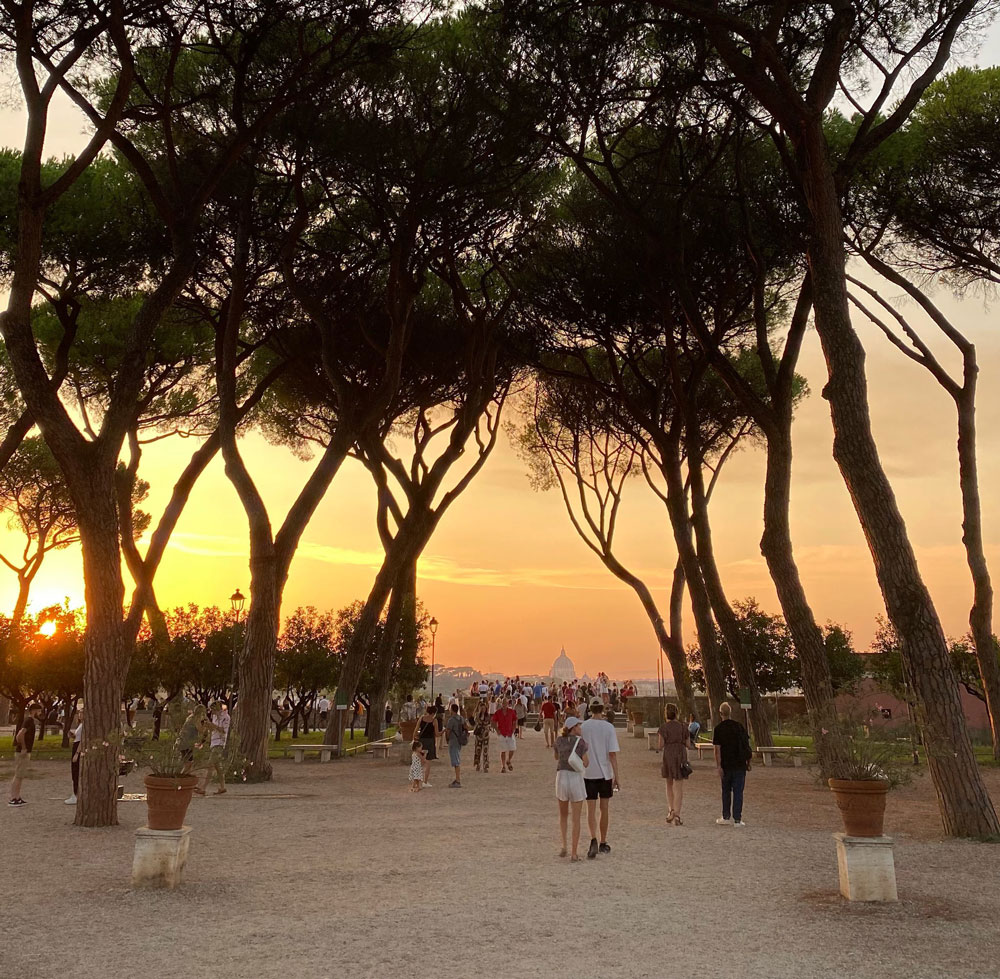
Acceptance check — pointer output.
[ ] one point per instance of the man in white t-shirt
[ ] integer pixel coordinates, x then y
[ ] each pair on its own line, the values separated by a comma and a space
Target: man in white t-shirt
601, 774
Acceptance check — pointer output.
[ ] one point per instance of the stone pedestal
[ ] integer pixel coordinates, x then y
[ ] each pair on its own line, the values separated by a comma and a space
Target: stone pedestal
638, 731
160, 855
867, 869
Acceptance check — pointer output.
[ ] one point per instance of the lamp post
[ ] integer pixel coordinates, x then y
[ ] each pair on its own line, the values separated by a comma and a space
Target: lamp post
237, 601
434, 628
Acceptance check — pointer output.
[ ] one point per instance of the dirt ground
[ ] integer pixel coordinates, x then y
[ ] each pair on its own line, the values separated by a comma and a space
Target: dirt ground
338, 870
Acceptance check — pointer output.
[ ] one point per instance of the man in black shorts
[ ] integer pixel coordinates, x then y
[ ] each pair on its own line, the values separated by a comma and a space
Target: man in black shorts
601, 775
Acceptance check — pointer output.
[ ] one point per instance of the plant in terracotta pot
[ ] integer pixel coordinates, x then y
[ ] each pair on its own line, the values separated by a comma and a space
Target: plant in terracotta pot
170, 763
861, 779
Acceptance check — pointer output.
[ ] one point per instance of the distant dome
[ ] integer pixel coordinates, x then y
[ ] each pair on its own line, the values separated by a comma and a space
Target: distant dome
563, 668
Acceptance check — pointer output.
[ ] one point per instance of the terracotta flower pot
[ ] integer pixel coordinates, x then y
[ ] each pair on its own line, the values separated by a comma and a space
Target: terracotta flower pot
406, 731
861, 804
167, 799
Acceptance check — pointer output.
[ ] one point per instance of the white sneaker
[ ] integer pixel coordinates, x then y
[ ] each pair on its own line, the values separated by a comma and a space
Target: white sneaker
71, 801
740, 823
722, 822
427, 785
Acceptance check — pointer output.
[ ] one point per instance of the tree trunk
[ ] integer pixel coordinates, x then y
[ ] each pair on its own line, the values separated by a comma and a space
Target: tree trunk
728, 623
965, 805
410, 540
23, 589
402, 607
685, 689
256, 663
981, 613
680, 522
776, 546
105, 659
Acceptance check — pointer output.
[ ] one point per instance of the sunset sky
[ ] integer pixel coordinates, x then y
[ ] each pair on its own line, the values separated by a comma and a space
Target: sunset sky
506, 576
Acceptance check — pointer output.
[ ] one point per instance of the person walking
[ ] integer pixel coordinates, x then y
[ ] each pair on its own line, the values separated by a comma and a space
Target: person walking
601, 775
427, 736
732, 761
74, 757
456, 730
481, 732
520, 711
673, 745
218, 725
505, 724
548, 712
24, 741
571, 789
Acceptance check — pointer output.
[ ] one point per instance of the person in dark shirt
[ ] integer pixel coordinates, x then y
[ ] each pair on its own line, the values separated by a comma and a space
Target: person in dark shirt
732, 761
24, 741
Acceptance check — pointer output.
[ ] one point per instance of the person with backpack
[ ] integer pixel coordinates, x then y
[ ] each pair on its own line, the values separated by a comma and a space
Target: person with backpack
456, 730
732, 761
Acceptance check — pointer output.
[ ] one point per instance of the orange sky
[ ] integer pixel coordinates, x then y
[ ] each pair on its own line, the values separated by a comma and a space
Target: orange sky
506, 576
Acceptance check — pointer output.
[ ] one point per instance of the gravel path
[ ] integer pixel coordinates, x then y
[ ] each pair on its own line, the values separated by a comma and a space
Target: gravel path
351, 874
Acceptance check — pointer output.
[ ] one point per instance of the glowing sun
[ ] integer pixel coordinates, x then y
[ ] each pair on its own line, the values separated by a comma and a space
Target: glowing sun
47, 629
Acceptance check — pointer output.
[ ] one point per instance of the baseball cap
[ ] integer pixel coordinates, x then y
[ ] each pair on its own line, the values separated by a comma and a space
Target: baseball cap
597, 702
571, 722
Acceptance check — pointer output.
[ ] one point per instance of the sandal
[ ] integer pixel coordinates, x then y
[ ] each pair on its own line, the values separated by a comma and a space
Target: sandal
198, 791
677, 819
575, 859
562, 852
670, 817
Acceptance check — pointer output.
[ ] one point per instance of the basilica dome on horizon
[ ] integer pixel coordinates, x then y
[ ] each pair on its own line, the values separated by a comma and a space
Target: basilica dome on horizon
563, 668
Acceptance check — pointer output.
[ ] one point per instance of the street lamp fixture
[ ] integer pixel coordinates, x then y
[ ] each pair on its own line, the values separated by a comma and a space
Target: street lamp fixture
237, 600
433, 624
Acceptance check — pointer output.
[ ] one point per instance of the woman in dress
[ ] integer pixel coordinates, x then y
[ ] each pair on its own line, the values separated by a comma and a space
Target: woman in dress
570, 787
481, 732
427, 736
673, 745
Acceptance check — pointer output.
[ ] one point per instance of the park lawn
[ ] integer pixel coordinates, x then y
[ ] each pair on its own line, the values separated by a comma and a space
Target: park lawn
50, 749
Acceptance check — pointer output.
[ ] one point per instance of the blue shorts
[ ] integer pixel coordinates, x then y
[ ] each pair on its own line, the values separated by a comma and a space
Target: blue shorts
455, 752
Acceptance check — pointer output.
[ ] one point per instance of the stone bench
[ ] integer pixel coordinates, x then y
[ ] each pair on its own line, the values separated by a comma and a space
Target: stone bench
325, 751
653, 739
702, 746
768, 753
379, 749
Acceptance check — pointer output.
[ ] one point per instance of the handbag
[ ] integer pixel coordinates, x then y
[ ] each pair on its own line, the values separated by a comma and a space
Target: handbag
575, 761
538, 725
686, 769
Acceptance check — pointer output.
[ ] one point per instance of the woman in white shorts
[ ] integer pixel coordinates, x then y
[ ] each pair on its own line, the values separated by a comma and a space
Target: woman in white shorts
570, 788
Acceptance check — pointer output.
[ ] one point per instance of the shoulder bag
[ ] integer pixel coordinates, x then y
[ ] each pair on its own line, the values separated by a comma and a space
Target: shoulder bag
575, 761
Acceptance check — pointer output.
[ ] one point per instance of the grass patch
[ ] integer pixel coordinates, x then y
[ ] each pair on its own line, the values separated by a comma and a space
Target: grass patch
51, 748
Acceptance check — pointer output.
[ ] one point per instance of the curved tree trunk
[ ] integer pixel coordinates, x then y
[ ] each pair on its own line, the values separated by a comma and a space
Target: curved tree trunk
680, 523
966, 809
685, 689
776, 546
728, 623
981, 613
402, 610
410, 540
